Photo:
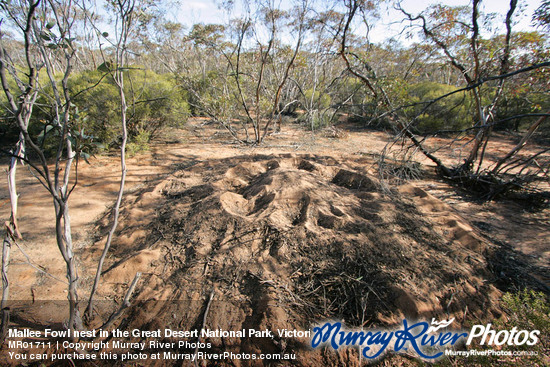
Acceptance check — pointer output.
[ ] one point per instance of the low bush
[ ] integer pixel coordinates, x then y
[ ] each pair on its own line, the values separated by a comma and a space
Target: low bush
155, 101
449, 114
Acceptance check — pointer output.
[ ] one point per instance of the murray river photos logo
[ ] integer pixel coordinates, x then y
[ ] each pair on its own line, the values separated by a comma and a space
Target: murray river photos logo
428, 341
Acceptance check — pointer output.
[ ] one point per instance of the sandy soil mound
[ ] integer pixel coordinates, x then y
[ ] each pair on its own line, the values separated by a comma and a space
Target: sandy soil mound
284, 241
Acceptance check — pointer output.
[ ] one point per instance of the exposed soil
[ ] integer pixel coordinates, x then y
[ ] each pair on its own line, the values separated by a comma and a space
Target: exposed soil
298, 230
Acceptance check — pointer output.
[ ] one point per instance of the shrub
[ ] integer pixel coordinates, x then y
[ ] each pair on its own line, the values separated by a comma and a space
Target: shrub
155, 101
519, 102
139, 144
100, 103
317, 119
159, 103
450, 113
525, 310
317, 99
528, 310
9, 133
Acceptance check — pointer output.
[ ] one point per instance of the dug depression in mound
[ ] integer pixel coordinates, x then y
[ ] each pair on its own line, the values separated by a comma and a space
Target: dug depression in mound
288, 240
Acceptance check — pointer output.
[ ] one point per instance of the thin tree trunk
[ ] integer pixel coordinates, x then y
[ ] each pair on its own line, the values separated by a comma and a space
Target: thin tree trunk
12, 234
116, 210
125, 12
6, 247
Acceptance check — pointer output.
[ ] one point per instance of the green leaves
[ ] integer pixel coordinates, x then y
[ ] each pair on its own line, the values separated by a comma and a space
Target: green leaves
85, 156
42, 136
159, 102
106, 67
46, 35
53, 42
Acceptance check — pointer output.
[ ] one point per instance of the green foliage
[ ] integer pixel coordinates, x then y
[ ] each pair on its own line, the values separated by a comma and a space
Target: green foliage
154, 102
449, 114
317, 99
319, 111
100, 103
317, 119
525, 310
158, 103
9, 132
207, 94
519, 101
139, 144
528, 310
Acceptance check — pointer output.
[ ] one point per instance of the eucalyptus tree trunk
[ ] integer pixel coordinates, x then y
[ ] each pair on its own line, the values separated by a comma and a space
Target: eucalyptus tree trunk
125, 12
12, 234
42, 47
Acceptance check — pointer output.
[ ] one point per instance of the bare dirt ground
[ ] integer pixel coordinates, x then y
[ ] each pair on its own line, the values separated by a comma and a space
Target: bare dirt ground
298, 229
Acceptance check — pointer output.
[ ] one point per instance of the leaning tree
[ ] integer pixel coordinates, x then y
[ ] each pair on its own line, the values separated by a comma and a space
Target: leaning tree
46, 28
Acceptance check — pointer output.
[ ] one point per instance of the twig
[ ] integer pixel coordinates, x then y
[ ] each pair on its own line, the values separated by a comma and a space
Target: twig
125, 303
204, 324
37, 267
